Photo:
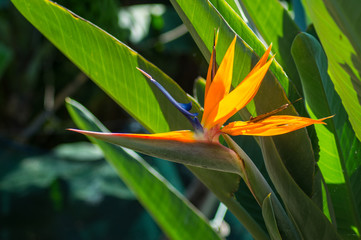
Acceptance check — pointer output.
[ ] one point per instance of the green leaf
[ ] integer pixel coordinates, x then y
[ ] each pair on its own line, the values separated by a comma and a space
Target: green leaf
277, 27
295, 148
199, 90
174, 214
201, 154
338, 26
261, 190
339, 159
310, 220
110, 64
230, 15
270, 219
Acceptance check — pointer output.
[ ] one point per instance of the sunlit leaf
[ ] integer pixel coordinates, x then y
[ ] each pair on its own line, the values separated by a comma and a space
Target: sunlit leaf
339, 156
109, 63
337, 24
277, 27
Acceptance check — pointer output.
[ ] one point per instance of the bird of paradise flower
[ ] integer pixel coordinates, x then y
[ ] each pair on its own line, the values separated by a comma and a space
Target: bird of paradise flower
219, 105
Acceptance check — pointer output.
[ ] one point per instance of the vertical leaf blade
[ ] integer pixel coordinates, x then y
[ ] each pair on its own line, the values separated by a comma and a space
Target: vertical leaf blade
337, 25
338, 158
311, 221
276, 27
269, 216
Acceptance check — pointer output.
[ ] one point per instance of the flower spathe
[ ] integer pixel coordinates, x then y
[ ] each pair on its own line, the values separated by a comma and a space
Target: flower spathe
220, 104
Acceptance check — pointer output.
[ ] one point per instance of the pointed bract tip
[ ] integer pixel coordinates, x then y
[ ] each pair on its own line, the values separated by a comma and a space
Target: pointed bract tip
77, 130
215, 40
71, 129
322, 119
145, 74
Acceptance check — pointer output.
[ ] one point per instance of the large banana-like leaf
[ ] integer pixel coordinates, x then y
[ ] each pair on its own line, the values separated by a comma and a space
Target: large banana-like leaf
237, 24
175, 215
340, 161
112, 65
295, 148
226, 12
309, 218
337, 24
277, 27
261, 190
109, 63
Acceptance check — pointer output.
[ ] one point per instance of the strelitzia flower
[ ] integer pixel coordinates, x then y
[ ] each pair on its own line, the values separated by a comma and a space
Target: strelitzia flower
219, 105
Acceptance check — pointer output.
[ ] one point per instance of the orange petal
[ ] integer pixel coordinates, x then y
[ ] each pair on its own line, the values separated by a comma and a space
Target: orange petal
180, 136
274, 125
212, 69
221, 83
238, 98
262, 61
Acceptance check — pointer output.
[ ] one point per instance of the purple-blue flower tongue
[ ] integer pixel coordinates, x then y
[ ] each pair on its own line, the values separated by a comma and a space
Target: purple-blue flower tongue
182, 107
186, 106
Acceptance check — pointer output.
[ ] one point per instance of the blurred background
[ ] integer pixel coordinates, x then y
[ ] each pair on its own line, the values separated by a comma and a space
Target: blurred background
53, 183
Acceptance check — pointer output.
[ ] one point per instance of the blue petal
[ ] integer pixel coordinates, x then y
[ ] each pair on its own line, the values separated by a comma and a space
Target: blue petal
186, 106
182, 107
